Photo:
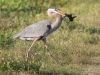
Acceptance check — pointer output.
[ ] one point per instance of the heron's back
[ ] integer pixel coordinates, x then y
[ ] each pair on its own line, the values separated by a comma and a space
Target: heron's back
34, 31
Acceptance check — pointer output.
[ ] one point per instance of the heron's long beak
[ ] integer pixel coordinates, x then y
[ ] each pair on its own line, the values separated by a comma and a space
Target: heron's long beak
70, 16
61, 13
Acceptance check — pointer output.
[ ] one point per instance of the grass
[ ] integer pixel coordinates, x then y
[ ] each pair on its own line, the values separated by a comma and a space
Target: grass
75, 44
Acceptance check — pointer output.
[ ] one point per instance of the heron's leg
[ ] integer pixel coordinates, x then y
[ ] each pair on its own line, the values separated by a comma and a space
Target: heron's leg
44, 40
30, 49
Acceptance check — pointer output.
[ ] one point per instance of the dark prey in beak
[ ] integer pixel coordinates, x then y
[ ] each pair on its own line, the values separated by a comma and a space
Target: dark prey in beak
70, 16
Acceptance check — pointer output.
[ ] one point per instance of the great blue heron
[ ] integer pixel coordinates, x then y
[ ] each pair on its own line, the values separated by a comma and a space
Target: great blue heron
40, 30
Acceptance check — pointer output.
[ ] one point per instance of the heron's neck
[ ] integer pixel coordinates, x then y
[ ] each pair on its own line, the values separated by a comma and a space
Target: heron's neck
57, 23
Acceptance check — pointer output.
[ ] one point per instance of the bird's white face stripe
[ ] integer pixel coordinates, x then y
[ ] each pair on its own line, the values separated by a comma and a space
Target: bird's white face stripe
53, 10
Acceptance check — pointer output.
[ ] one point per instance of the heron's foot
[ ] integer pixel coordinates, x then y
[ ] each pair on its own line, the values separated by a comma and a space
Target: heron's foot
52, 57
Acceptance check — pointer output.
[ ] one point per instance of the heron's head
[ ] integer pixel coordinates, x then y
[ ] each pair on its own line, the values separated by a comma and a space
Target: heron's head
54, 12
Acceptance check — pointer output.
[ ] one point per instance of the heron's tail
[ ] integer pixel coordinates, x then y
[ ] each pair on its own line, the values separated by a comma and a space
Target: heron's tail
16, 36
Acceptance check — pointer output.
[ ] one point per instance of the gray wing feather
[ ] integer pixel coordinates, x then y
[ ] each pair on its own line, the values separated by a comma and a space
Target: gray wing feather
35, 30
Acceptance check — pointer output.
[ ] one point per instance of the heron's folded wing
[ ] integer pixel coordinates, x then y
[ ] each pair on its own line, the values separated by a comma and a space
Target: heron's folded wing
35, 30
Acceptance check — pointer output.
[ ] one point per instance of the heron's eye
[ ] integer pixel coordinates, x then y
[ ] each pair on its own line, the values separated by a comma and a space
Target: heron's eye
52, 12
